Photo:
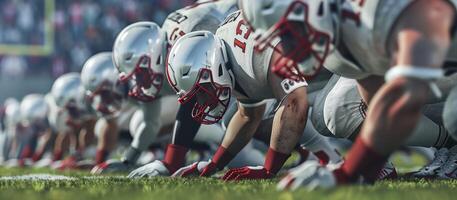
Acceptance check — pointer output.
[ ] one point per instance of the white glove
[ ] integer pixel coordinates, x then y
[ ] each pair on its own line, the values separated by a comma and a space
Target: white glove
156, 168
311, 175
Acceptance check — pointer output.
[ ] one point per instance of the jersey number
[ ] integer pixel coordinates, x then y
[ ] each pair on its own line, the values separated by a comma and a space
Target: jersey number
347, 14
175, 34
244, 31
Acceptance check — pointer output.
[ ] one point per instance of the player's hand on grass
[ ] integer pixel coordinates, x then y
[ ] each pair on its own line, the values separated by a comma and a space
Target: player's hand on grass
44, 162
201, 168
156, 168
248, 172
68, 163
310, 175
111, 166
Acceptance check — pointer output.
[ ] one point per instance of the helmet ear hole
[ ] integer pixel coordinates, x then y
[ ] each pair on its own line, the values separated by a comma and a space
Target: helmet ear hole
221, 72
158, 62
320, 11
267, 5
128, 57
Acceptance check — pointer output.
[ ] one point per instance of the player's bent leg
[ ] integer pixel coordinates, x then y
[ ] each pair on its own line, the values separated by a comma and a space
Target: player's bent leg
339, 110
319, 145
450, 113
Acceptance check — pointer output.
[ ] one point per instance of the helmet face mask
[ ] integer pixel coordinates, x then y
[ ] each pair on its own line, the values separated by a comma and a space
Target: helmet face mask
106, 99
73, 109
146, 83
303, 48
197, 70
138, 55
210, 99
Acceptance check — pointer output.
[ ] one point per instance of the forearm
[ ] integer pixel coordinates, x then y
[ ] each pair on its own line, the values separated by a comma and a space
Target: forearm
240, 131
61, 145
43, 142
109, 135
86, 135
185, 128
395, 102
184, 132
288, 125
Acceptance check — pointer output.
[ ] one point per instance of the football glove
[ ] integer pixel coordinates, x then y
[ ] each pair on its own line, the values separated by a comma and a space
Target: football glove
156, 168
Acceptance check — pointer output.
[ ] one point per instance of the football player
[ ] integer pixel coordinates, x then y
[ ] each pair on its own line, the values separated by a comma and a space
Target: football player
205, 69
34, 113
108, 98
393, 49
74, 120
139, 57
203, 15
10, 113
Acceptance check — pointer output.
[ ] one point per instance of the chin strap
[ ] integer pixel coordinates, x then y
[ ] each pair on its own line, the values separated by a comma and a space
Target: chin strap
424, 73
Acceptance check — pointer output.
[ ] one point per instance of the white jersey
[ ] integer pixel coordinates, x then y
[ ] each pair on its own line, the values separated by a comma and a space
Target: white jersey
250, 68
365, 28
203, 15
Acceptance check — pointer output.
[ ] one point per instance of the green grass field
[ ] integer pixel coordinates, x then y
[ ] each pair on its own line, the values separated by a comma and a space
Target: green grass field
117, 187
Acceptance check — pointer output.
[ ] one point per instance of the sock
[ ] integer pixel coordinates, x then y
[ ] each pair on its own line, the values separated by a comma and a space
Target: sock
37, 156
222, 157
57, 156
361, 160
101, 156
275, 160
175, 157
26, 152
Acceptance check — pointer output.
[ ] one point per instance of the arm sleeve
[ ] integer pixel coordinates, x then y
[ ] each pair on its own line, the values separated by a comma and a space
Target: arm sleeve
185, 127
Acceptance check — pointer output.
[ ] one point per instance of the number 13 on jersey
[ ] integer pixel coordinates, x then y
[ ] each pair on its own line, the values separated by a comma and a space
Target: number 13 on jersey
242, 34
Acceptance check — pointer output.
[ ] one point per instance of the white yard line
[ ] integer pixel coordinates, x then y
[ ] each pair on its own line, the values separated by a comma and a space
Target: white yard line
53, 177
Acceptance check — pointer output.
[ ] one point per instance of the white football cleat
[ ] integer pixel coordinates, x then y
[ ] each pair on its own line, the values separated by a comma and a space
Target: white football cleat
449, 169
432, 169
311, 175
156, 168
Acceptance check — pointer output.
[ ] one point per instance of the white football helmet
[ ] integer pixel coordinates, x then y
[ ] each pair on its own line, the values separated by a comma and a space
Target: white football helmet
69, 94
139, 53
197, 70
104, 90
34, 109
307, 28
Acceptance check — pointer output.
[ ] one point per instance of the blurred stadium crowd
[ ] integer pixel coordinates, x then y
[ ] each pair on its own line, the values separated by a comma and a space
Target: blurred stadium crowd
82, 28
